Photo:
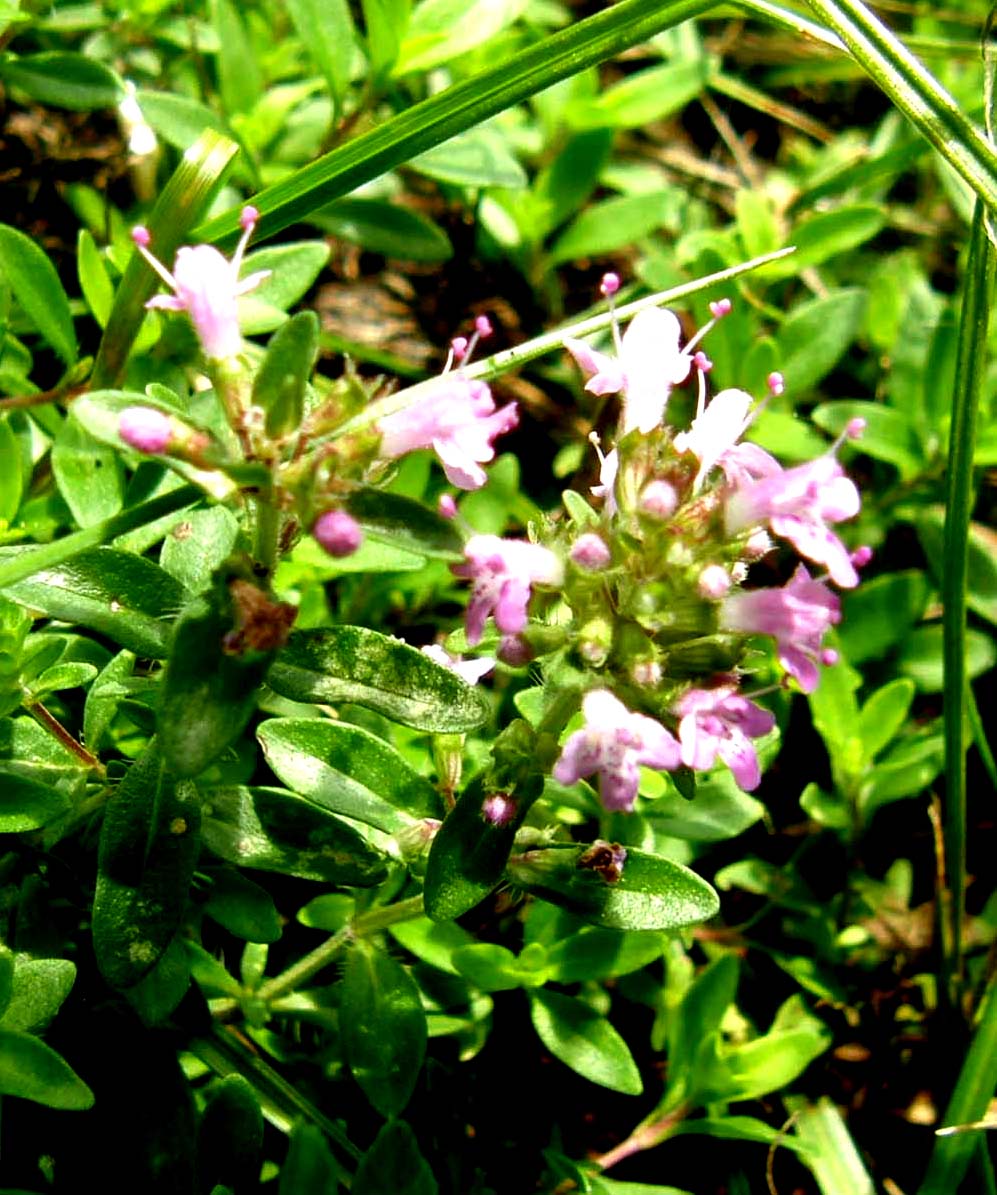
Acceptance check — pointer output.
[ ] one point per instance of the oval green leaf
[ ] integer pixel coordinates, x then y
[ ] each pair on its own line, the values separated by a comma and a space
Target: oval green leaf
32, 1070
353, 664
62, 79
582, 1039
393, 1163
37, 289
405, 524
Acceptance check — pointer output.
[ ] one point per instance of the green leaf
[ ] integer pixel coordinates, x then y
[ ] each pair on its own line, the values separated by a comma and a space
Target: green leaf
593, 953
720, 809
62, 79
178, 119
477, 158
29, 805
889, 434
433, 942
11, 473
273, 830
650, 893
353, 664
404, 523
6, 979
31, 1070
327, 34
348, 771
280, 382
647, 95
209, 687
830, 1151
440, 30
383, 1027
148, 849
89, 475
386, 22
104, 696
697, 1019
230, 1136
239, 77
309, 1165
382, 227
564, 186
881, 612
981, 563
157, 994
393, 1163
243, 908
294, 269
94, 280
612, 224
884, 713
815, 335
828, 235
119, 594
38, 291
908, 768
494, 968
197, 545
582, 1039
608, 1186
921, 657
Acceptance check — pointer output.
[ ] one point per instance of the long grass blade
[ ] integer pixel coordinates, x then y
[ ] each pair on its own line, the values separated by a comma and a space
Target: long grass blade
465, 104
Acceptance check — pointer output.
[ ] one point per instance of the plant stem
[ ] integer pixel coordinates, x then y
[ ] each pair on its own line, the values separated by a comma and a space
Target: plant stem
320, 958
26, 563
646, 1136
59, 732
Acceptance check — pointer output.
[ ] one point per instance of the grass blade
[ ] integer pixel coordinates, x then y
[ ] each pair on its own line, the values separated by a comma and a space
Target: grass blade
459, 107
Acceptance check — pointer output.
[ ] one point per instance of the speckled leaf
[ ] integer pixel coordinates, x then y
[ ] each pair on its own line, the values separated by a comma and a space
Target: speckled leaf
28, 805
650, 892
32, 1070
119, 594
337, 664
582, 1039
274, 830
89, 475
349, 771
198, 544
148, 849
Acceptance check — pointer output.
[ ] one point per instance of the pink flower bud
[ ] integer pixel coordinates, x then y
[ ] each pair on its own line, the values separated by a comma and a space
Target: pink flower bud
590, 552
338, 533
714, 581
776, 384
855, 427
141, 236
862, 556
483, 326
829, 657
248, 218
498, 808
702, 362
659, 500
145, 429
721, 308
459, 347
446, 506
609, 285
514, 651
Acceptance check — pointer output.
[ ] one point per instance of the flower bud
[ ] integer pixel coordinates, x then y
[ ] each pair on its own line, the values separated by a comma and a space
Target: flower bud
514, 651
499, 809
338, 533
646, 673
659, 500
145, 429
590, 552
714, 581
446, 506
595, 640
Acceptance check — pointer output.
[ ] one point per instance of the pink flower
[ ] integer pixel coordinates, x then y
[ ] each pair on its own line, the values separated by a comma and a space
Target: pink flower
649, 364
206, 286
469, 671
338, 532
798, 616
458, 420
502, 571
614, 742
798, 504
722, 722
145, 429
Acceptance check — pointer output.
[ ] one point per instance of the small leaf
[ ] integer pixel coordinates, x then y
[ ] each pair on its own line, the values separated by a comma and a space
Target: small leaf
178, 119
11, 473
89, 475
28, 805
309, 1165
294, 269
159, 993
393, 1163
582, 1039
94, 280
650, 893
240, 81
383, 1027
921, 657
478, 158
353, 664
62, 79
881, 613
494, 968
273, 830
243, 908
403, 523
31, 1070
198, 544
387, 228
36, 287
650, 94
230, 1136
884, 713
441, 30
815, 335
827, 235
119, 594
104, 696
981, 563
325, 28
888, 436
349, 771
280, 382
607, 226
148, 849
